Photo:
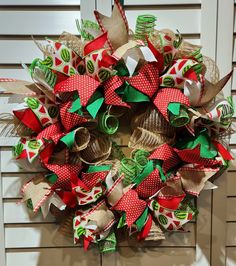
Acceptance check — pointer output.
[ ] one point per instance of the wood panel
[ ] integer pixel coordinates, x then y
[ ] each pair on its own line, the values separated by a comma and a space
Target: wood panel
232, 166
234, 79
24, 51
231, 181
234, 49
19, 51
15, 73
32, 236
16, 212
39, 3
231, 210
2, 242
230, 256
169, 18
11, 184
231, 234
233, 136
160, 2
53, 256
46, 235
150, 256
38, 22
8, 164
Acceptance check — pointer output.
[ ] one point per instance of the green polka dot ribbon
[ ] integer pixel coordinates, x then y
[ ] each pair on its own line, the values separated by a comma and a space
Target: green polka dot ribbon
107, 123
144, 26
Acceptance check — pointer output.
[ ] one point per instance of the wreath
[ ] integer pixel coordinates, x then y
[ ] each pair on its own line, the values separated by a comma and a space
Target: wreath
124, 129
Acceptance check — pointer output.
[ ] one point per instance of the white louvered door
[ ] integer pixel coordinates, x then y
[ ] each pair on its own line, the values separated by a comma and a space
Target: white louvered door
224, 209
27, 241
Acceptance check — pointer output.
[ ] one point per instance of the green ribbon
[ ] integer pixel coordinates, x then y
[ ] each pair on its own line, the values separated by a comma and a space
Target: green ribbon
121, 69
178, 115
122, 220
141, 157
198, 56
116, 151
136, 169
52, 178
76, 106
146, 172
93, 106
231, 102
108, 244
69, 139
159, 167
129, 94
129, 169
207, 149
187, 205
84, 26
122, 2
49, 77
144, 26
95, 103
227, 114
142, 220
178, 40
107, 123
98, 168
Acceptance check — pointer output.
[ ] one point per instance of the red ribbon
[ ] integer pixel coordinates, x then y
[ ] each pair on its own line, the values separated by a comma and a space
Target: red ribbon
147, 82
70, 120
46, 153
84, 84
167, 154
172, 202
132, 205
91, 179
146, 229
222, 150
68, 198
107, 60
64, 172
193, 156
52, 132
28, 118
169, 95
95, 44
159, 56
150, 185
110, 87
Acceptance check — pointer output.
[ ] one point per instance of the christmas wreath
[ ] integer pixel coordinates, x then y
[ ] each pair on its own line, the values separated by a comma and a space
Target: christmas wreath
124, 129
